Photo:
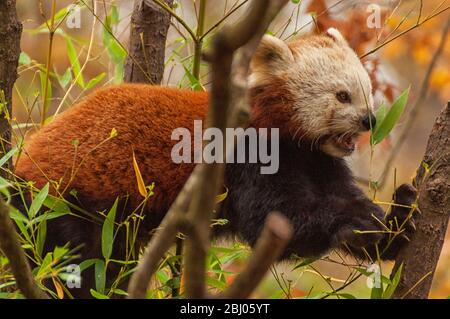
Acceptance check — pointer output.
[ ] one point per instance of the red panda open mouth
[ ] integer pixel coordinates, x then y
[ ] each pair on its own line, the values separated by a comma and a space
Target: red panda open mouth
346, 142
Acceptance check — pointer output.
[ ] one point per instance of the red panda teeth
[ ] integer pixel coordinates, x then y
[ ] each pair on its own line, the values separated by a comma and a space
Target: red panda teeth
346, 142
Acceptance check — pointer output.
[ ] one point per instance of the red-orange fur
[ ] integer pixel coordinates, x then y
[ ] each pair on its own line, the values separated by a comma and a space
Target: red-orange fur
271, 107
144, 117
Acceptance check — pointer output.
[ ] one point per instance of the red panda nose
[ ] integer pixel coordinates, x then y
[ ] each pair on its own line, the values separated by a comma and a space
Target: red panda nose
369, 121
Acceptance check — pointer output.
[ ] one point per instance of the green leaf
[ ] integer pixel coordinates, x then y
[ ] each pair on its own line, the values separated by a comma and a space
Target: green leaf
108, 232
24, 59
377, 292
116, 52
59, 252
87, 263
162, 276
23, 230
367, 273
98, 295
8, 155
15, 214
44, 268
57, 205
100, 276
119, 71
75, 64
381, 114
113, 17
46, 216
120, 292
38, 201
390, 289
65, 79
383, 129
57, 18
41, 235
93, 82
195, 83
4, 189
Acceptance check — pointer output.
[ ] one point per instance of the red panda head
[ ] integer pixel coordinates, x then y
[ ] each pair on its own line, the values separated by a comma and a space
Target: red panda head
314, 89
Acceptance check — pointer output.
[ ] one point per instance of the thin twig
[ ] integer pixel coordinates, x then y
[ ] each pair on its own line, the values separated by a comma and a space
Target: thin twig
9, 244
418, 24
80, 73
431, 226
414, 109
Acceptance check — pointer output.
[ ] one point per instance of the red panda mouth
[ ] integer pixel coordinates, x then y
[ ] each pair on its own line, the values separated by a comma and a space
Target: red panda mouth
346, 142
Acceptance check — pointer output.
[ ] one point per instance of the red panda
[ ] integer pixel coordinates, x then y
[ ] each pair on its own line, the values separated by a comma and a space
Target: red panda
314, 90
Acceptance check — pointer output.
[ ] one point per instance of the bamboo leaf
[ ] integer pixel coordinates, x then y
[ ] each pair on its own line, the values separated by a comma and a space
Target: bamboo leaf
41, 235
140, 180
93, 82
100, 276
390, 289
195, 83
8, 155
59, 289
24, 59
38, 201
65, 79
108, 231
221, 197
98, 295
381, 114
383, 129
73, 57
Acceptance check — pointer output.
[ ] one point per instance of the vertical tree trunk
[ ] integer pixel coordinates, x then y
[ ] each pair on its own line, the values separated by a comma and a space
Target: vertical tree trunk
10, 32
421, 256
149, 26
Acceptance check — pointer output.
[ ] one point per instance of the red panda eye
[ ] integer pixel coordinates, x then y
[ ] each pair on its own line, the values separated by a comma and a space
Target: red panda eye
343, 97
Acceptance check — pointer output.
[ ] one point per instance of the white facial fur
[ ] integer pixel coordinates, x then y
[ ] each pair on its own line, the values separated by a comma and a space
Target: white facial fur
314, 69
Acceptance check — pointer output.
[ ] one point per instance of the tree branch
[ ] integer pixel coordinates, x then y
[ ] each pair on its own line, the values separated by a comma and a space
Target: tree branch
10, 32
225, 90
434, 203
276, 234
9, 244
149, 26
205, 180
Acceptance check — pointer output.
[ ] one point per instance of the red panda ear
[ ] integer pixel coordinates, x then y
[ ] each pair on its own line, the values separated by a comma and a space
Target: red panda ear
273, 56
272, 50
335, 35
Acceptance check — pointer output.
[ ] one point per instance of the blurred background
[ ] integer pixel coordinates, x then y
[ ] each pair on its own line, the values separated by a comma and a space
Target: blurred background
85, 57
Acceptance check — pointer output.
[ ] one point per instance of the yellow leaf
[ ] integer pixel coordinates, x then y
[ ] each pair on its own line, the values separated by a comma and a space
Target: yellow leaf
140, 180
59, 289
113, 133
221, 197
